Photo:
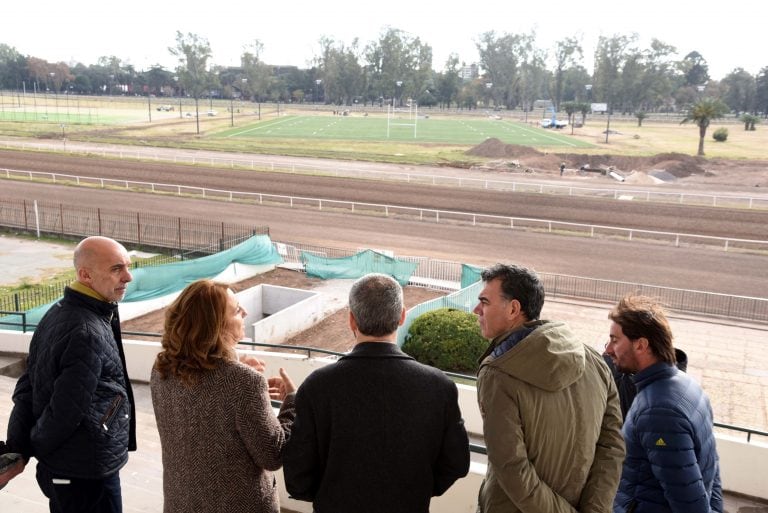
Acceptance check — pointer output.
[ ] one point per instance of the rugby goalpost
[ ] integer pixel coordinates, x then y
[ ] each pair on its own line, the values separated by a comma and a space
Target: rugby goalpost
394, 117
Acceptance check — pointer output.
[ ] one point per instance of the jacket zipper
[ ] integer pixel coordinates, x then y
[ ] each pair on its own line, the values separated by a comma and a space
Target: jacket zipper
113, 407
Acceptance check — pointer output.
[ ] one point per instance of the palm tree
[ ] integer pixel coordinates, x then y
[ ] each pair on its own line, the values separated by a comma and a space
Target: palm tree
702, 113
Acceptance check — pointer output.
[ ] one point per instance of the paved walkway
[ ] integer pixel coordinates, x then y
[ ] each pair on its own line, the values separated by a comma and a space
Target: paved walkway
728, 358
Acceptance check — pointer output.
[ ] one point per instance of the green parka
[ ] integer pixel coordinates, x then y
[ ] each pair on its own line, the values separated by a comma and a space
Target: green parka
552, 425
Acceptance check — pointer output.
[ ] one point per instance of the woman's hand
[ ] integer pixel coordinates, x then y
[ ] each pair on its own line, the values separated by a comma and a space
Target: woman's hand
253, 362
280, 386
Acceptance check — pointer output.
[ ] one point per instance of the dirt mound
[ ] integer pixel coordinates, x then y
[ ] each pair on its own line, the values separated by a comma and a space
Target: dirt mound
678, 164
496, 149
515, 158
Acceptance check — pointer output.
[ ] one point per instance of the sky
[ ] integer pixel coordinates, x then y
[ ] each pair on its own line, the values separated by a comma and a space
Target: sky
141, 31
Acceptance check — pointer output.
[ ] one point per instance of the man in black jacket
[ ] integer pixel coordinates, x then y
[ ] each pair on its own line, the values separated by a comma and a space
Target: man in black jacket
73, 407
376, 431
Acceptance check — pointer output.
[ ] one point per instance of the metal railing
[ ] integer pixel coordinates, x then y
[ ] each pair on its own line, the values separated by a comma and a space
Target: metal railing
446, 275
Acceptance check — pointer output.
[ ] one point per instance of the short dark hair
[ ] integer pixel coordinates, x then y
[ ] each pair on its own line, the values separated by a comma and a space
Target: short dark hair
644, 317
376, 303
519, 283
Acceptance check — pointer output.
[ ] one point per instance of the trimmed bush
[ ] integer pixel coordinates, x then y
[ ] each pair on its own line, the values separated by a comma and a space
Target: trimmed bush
720, 135
446, 338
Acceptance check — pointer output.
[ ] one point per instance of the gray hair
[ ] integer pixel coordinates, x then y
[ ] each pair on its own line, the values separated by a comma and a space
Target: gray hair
376, 303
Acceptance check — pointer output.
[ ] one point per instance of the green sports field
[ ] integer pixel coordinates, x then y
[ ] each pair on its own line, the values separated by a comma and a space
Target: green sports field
427, 130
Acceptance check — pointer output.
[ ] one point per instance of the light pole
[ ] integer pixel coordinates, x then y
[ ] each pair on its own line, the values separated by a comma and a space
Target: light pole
488, 86
700, 89
232, 108
588, 87
398, 92
178, 92
53, 89
317, 88
608, 125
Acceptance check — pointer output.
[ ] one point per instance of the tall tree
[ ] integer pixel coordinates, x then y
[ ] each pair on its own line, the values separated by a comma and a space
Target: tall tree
740, 91
701, 114
193, 53
398, 65
502, 57
568, 53
761, 94
449, 82
695, 69
610, 56
12, 67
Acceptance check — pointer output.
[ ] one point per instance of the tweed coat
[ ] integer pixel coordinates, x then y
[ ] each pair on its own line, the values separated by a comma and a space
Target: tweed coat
220, 441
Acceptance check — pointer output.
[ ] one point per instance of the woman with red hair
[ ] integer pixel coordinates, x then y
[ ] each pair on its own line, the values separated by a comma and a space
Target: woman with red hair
220, 437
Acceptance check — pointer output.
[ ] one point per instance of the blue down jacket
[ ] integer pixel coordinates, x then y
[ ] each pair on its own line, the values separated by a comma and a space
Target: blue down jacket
671, 463
73, 407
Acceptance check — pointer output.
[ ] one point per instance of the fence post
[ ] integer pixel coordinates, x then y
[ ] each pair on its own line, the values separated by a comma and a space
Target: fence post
98, 215
181, 252
16, 302
61, 215
138, 229
24, 204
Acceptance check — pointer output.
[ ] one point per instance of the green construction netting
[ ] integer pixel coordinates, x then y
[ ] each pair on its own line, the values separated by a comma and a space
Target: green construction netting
158, 281
358, 265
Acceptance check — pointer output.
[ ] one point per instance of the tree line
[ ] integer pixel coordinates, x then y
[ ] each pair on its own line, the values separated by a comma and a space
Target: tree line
512, 73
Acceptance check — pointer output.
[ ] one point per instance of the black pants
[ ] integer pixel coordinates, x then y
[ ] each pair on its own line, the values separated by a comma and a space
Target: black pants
69, 495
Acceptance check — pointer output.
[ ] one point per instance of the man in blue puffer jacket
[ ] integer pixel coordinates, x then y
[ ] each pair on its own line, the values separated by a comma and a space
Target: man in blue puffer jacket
671, 463
73, 407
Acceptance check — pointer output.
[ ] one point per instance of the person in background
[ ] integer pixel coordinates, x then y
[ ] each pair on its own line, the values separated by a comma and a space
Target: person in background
220, 438
376, 431
73, 406
551, 417
672, 463
625, 382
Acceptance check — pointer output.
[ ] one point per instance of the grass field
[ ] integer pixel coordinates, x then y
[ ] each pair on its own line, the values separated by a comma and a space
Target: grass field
470, 131
442, 137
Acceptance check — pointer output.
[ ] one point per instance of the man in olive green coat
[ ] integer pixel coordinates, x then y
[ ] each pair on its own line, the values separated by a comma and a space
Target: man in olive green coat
551, 415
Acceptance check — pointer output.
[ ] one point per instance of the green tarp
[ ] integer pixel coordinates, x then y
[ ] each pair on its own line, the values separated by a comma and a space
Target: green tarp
158, 281
358, 265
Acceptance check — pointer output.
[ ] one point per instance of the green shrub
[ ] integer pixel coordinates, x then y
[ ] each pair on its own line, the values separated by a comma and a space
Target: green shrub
720, 135
446, 338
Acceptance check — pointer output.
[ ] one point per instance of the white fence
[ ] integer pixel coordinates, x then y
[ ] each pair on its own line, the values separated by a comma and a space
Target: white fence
385, 210
270, 164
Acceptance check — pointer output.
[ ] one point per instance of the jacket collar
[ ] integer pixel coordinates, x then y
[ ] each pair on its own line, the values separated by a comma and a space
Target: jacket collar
657, 371
376, 350
100, 307
506, 341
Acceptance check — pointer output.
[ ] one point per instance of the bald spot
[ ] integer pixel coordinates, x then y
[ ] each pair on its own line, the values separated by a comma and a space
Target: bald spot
91, 248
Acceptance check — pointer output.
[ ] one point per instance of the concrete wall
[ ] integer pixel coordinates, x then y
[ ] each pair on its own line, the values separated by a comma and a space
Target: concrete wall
743, 465
275, 314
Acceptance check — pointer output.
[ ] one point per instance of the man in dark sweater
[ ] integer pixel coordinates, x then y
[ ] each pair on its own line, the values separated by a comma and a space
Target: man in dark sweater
375, 431
73, 407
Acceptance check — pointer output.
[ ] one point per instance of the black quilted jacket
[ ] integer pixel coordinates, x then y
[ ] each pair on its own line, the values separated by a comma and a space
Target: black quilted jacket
73, 407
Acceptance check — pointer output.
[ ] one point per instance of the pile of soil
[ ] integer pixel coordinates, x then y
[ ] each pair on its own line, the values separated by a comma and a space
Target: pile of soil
531, 160
495, 149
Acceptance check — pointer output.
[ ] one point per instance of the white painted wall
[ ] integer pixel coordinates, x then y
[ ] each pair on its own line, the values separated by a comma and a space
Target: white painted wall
275, 314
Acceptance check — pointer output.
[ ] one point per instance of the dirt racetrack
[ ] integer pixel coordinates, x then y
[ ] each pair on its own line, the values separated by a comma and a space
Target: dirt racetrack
610, 259
668, 217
